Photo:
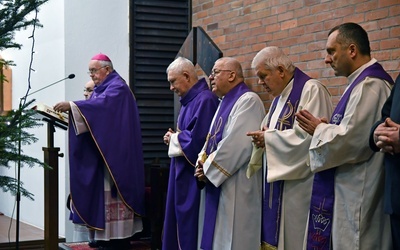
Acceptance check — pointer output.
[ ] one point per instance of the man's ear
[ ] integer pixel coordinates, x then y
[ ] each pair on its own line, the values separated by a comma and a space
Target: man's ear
352, 50
232, 76
281, 70
186, 75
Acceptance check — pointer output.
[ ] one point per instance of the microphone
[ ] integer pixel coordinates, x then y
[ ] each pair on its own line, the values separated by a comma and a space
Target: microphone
70, 76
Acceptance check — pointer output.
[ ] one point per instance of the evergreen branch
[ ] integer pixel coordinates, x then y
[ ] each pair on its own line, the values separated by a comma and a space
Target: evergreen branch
10, 184
13, 128
13, 18
15, 124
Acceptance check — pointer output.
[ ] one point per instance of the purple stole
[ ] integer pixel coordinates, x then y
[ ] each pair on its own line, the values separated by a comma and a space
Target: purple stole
272, 198
214, 137
323, 192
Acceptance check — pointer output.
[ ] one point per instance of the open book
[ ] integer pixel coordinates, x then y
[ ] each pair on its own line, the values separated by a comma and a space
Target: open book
47, 113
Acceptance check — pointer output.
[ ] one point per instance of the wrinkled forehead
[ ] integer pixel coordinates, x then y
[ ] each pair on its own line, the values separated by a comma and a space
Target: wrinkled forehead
172, 75
260, 71
94, 64
219, 64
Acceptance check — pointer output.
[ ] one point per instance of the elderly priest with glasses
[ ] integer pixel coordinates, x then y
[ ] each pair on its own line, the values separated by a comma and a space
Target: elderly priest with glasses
106, 159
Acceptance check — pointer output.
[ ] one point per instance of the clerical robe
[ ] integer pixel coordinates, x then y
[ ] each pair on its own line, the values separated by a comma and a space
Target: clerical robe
238, 218
286, 155
391, 109
106, 157
359, 221
183, 199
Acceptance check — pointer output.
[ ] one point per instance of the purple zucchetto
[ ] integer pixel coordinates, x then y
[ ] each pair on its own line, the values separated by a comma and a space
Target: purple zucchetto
101, 57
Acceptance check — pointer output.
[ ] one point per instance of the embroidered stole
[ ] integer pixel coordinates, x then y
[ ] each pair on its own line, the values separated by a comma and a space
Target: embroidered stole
213, 138
272, 198
323, 193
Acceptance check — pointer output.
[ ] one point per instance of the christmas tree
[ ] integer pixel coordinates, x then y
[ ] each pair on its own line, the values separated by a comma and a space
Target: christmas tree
15, 124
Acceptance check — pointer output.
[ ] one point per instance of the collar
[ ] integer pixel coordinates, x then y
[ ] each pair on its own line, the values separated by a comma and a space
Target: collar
358, 71
288, 89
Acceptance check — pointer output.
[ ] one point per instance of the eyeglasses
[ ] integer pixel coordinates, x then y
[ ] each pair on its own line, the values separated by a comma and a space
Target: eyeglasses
216, 72
94, 71
87, 90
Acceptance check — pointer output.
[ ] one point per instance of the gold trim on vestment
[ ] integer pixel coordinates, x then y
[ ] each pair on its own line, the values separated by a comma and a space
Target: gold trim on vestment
221, 169
214, 136
266, 246
283, 121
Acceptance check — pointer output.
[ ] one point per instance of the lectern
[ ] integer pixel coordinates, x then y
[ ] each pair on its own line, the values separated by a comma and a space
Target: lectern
51, 154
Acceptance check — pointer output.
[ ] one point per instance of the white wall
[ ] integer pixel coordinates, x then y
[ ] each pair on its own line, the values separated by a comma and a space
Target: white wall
91, 27
74, 30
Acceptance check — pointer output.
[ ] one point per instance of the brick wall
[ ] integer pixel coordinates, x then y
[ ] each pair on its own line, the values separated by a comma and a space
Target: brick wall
300, 27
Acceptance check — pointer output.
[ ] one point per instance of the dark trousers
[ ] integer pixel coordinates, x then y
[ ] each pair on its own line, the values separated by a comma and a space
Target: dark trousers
395, 225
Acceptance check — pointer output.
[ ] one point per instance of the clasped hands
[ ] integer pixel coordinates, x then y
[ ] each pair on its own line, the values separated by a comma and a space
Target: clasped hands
305, 119
199, 172
167, 136
386, 137
308, 122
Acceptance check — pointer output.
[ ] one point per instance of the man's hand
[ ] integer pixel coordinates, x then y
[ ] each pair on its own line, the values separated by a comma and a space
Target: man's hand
167, 136
387, 138
308, 122
258, 138
199, 173
62, 107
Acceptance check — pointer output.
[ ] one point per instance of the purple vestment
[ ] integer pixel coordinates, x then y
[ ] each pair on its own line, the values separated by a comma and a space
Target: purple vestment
271, 214
323, 192
113, 143
183, 199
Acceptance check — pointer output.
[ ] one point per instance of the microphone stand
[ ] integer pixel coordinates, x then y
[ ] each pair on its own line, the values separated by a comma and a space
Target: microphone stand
18, 195
71, 76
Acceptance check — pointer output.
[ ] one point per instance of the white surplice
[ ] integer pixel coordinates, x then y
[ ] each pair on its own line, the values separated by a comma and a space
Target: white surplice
359, 222
238, 222
286, 154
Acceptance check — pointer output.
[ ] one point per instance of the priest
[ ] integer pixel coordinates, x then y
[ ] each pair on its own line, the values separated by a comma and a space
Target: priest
198, 105
232, 206
346, 210
106, 159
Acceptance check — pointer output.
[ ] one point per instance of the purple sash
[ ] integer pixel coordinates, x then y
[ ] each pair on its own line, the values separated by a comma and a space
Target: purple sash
323, 193
215, 136
273, 191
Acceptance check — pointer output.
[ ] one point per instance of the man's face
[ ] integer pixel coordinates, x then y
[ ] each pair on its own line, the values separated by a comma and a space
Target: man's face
88, 90
97, 72
338, 56
179, 83
272, 80
219, 79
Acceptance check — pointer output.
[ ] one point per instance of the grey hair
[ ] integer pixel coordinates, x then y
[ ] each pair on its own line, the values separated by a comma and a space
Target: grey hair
181, 64
106, 63
272, 57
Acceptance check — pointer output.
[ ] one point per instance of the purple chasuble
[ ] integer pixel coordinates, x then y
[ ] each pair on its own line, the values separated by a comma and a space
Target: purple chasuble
183, 199
323, 192
272, 198
215, 136
113, 144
